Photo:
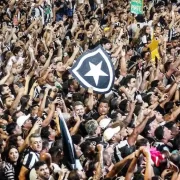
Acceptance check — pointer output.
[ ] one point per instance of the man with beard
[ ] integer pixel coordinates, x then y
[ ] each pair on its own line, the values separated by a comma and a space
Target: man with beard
42, 170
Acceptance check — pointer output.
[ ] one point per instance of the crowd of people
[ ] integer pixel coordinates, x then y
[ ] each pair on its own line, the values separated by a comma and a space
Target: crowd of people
132, 132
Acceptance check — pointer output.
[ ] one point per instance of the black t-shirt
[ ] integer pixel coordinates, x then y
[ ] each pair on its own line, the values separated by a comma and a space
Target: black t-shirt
96, 115
94, 140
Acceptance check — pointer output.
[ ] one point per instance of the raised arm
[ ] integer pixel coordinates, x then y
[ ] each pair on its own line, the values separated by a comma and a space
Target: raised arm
148, 169
137, 130
72, 58
90, 99
118, 166
129, 117
74, 130
48, 119
99, 168
130, 171
123, 65
17, 100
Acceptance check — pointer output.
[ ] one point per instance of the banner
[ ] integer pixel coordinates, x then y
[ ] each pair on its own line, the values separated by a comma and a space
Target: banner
94, 69
137, 6
153, 46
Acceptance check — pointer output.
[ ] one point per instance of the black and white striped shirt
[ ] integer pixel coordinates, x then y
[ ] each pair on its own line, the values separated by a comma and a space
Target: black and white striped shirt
171, 34
9, 171
30, 159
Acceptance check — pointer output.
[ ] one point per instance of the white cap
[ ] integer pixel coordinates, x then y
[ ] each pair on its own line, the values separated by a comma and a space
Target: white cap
20, 120
110, 132
104, 123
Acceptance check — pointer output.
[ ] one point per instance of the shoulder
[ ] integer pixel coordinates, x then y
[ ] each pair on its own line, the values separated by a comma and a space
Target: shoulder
8, 166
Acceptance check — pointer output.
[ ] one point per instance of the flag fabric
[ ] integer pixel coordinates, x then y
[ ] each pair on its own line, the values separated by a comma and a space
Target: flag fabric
95, 69
153, 46
70, 156
137, 6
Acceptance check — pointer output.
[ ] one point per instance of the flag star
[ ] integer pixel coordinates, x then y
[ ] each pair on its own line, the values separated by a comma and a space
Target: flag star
95, 71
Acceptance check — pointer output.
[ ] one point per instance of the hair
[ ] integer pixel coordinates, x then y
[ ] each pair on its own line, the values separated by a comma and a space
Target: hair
123, 105
76, 139
54, 151
147, 127
140, 18
135, 58
91, 169
127, 79
141, 142
4, 97
70, 82
77, 97
14, 117
34, 135
24, 101
38, 164
77, 103
126, 150
104, 41
88, 25
45, 132
166, 66
147, 99
33, 106
177, 142
73, 175
16, 50
138, 176
154, 83
11, 127
12, 141
144, 53
1, 145
143, 30
137, 109
58, 143
175, 158
168, 106
85, 147
93, 18
104, 101
1, 88
152, 14
159, 132
45, 145
170, 125
8, 150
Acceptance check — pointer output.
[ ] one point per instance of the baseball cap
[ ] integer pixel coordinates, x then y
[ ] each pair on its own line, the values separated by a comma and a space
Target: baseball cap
20, 120
110, 132
91, 126
104, 123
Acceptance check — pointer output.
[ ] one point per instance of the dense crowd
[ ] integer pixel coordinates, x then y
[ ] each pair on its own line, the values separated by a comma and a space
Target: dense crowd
132, 132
